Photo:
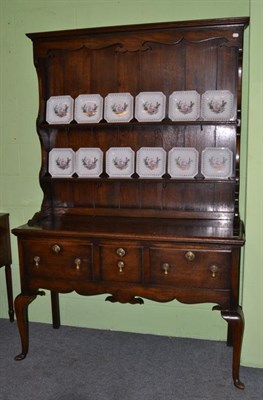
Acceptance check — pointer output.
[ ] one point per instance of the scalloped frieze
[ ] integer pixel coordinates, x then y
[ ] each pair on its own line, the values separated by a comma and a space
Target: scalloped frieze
132, 44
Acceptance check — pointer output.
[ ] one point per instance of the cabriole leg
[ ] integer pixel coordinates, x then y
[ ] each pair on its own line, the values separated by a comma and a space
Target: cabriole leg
236, 323
21, 308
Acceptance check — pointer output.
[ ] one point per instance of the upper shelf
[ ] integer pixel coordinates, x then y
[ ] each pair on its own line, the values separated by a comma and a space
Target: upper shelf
161, 59
167, 122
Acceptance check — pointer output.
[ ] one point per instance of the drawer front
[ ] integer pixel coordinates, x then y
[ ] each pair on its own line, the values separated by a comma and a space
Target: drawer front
121, 263
191, 268
61, 259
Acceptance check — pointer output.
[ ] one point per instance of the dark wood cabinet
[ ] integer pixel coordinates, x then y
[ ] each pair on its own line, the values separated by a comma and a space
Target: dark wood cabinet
6, 260
157, 237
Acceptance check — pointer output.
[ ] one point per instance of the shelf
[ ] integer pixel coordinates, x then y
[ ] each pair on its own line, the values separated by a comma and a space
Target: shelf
136, 179
135, 123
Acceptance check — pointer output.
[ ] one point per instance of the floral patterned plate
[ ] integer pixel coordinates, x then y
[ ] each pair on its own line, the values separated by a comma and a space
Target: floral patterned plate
118, 107
183, 162
217, 105
89, 162
120, 162
61, 162
59, 110
151, 162
150, 106
217, 162
88, 108
184, 106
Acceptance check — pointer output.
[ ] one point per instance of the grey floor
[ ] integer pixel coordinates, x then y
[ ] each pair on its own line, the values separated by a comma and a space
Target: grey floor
86, 364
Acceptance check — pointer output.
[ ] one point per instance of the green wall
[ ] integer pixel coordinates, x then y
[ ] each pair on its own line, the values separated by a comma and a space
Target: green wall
20, 194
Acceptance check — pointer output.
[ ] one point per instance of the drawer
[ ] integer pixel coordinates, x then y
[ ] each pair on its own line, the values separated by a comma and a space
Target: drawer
121, 263
47, 258
186, 268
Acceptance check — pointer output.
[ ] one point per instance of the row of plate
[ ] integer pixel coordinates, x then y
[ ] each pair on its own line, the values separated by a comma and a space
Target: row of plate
213, 105
150, 162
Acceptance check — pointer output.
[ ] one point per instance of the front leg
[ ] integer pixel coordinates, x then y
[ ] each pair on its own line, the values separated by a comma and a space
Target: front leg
21, 308
236, 323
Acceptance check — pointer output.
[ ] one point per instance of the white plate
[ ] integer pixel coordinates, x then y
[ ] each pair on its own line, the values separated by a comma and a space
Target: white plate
217, 162
88, 108
118, 107
150, 106
217, 105
184, 106
183, 162
151, 162
61, 162
89, 162
59, 110
120, 162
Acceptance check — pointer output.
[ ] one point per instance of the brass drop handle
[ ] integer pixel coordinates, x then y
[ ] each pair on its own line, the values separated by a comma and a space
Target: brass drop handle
77, 262
120, 265
165, 268
214, 270
190, 256
120, 252
56, 248
37, 260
